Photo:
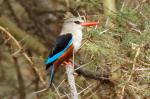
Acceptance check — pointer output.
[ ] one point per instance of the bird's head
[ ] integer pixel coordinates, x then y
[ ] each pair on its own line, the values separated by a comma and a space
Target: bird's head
77, 23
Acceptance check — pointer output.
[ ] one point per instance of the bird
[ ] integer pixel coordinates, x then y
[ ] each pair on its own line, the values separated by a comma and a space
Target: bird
67, 43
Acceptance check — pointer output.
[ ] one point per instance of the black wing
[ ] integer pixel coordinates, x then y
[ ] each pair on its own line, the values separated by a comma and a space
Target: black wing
61, 43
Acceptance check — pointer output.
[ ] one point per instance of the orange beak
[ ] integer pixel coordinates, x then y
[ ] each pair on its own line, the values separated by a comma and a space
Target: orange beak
89, 23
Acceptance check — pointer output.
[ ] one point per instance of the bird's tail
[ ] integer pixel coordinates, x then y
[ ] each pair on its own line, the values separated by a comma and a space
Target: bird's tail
52, 75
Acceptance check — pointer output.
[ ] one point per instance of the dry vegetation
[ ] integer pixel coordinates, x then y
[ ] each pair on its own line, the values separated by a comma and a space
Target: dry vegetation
114, 59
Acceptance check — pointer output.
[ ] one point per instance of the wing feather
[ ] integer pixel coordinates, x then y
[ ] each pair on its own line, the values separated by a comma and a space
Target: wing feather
62, 44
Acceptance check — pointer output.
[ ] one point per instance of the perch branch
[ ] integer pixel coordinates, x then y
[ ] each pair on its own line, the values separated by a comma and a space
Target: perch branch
71, 81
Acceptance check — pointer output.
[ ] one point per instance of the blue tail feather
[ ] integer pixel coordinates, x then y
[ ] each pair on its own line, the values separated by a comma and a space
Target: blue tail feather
51, 74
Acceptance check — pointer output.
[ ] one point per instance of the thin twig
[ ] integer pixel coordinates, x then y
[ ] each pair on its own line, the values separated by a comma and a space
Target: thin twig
42, 90
83, 65
56, 90
86, 88
60, 84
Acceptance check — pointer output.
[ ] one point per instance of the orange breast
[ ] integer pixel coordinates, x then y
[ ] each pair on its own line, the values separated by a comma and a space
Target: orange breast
67, 55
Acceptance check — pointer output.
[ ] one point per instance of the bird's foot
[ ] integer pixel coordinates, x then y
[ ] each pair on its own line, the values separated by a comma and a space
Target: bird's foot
67, 63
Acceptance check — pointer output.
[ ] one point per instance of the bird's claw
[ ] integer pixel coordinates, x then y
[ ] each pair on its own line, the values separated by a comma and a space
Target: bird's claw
67, 63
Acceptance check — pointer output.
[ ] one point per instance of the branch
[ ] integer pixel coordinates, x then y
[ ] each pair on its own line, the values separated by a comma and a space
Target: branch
71, 81
104, 77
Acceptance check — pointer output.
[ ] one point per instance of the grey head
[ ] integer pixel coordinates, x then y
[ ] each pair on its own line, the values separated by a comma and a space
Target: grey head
73, 23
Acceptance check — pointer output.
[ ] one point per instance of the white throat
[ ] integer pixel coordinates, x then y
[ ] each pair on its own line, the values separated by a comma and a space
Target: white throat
77, 39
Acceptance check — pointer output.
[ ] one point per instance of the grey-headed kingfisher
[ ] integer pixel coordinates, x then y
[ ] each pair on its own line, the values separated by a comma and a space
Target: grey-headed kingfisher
67, 43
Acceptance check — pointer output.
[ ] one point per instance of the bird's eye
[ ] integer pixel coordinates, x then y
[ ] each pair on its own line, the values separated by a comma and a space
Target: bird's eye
77, 22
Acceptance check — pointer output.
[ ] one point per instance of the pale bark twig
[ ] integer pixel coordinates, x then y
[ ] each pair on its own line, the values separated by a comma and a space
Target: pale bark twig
71, 81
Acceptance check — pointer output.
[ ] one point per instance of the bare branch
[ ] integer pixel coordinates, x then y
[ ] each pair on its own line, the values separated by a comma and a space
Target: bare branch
71, 81
104, 77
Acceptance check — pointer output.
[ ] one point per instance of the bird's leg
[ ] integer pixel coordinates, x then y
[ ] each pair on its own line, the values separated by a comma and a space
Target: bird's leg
67, 62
